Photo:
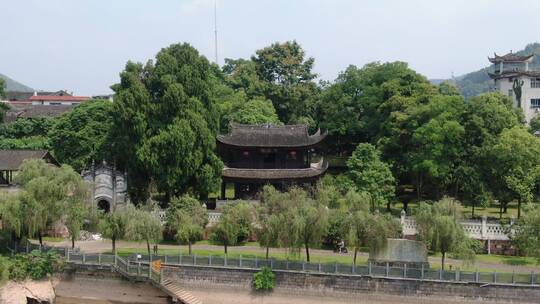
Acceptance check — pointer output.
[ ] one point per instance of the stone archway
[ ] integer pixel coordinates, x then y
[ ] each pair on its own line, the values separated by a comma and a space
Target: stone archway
104, 205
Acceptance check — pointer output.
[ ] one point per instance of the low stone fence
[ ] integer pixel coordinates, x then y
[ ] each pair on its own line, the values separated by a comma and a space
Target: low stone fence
326, 284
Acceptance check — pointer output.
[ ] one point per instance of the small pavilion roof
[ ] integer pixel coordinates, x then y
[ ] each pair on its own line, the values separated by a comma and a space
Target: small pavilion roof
11, 160
268, 135
510, 57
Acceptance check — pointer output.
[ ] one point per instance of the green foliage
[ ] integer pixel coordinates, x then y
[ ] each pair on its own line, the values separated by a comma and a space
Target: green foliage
48, 194
527, 236
165, 124
234, 225
35, 265
26, 133
236, 107
438, 226
142, 225
113, 226
81, 135
280, 73
264, 280
371, 175
2, 88
534, 125
188, 218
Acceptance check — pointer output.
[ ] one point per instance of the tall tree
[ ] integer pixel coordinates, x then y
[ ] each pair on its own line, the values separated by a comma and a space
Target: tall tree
280, 73
82, 135
516, 163
165, 124
371, 175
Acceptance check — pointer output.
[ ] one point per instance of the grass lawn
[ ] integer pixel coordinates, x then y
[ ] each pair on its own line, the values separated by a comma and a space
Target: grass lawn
53, 239
235, 253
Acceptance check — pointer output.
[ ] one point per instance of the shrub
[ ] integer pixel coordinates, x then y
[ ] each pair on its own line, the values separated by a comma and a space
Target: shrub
35, 265
264, 280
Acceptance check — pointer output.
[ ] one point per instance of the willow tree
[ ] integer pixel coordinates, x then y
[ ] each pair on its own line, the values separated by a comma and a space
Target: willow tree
142, 225
113, 225
187, 218
234, 224
439, 227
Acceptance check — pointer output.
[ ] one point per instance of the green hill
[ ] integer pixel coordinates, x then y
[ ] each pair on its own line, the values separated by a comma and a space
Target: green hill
478, 82
12, 85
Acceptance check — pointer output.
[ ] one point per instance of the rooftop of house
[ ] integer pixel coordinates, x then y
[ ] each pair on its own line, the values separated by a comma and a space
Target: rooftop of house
11, 160
510, 58
268, 135
58, 98
31, 111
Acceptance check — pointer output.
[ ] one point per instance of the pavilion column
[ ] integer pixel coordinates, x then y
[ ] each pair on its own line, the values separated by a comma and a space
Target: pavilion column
223, 187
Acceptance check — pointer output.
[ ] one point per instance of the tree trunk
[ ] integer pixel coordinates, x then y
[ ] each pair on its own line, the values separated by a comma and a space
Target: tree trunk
148, 247
72, 242
442, 259
267, 251
113, 245
189, 246
519, 208
472, 214
40, 238
405, 205
307, 252
355, 252
505, 207
225, 246
500, 210
388, 207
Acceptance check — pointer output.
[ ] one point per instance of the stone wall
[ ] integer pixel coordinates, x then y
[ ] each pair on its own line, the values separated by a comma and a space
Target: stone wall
323, 284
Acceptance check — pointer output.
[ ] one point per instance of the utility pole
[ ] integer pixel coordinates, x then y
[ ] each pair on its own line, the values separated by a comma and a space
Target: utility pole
215, 32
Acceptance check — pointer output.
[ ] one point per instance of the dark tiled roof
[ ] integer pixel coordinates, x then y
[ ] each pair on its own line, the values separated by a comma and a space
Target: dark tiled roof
17, 96
510, 57
11, 160
30, 111
314, 171
507, 74
270, 174
270, 136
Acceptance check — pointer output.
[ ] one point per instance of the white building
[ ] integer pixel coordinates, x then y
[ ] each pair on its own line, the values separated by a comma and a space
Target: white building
513, 77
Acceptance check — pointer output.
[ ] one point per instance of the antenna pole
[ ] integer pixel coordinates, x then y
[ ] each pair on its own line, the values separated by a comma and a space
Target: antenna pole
215, 31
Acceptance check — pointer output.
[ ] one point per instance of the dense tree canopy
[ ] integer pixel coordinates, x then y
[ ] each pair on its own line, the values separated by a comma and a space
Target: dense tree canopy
165, 124
26, 133
282, 74
81, 135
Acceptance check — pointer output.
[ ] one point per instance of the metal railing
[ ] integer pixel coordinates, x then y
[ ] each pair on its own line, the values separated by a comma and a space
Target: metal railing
374, 270
140, 267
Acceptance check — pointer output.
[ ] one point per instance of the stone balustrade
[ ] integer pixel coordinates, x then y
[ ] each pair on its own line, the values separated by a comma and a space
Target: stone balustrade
479, 230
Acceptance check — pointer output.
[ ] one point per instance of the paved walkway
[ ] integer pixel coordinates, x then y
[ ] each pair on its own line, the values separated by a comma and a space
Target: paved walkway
105, 246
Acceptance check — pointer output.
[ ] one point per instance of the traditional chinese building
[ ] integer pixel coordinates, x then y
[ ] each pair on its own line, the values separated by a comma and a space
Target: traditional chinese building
11, 161
513, 77
255, 155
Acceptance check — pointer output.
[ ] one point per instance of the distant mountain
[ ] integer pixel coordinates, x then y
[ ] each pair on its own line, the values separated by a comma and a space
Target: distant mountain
478, 82
12, 85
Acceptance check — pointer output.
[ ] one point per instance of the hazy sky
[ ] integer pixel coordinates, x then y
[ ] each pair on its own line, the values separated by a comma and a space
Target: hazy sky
82, 45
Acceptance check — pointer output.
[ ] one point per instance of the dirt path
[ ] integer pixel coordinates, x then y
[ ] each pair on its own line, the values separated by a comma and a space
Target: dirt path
105, 246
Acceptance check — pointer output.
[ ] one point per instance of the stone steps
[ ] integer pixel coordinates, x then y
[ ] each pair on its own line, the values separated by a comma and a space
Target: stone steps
182, 295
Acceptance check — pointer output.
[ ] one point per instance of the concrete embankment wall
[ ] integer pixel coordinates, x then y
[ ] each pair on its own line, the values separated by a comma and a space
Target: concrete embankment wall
351, 285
